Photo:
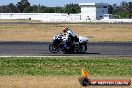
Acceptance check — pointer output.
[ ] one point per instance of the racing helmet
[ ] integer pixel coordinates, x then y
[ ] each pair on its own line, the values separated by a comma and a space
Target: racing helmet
65, 29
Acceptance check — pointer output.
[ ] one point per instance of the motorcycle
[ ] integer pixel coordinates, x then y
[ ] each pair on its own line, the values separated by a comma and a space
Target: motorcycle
58, 44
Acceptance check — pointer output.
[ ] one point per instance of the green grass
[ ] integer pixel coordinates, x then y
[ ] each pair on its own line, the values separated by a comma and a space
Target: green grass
66, 66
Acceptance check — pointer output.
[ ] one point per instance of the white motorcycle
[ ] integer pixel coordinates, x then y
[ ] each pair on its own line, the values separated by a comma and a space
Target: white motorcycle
58, 44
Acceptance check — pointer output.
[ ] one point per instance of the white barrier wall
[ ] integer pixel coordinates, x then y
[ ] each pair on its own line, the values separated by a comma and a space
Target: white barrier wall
110, 21
116, 20
45, 17
58, 17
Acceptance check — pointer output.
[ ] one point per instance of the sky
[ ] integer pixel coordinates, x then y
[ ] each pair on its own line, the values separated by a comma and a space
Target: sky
52, 3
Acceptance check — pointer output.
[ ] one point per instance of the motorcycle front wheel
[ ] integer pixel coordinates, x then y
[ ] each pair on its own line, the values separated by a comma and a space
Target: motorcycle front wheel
83, 48
53, 48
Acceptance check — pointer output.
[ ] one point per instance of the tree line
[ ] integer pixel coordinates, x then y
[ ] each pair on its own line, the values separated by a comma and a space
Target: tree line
24, 7
124, 10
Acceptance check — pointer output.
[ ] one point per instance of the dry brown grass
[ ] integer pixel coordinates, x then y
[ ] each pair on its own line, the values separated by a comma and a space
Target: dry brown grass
45, 32
47, 82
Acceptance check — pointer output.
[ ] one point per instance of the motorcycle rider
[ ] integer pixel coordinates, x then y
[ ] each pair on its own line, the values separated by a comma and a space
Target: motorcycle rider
70, 37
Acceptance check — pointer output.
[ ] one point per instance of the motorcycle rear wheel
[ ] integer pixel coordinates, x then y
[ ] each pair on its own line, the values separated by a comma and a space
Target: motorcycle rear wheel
53, 48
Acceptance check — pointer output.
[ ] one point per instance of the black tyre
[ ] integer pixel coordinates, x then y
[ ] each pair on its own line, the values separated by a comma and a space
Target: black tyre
83, 48
84, 81
53, 48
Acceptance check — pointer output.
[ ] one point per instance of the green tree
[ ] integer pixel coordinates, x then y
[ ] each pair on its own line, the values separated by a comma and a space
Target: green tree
129, 11
22, 5
42, 9
28, 9
72, 8
3, 9
11, 8
125, 9
34, 9
110, 9
48, 10
58, 10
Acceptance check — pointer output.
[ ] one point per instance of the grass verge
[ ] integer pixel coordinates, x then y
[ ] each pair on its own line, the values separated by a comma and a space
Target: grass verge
61, 72
65, 66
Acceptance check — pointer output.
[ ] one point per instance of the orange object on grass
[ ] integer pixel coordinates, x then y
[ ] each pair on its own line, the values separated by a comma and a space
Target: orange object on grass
84, 73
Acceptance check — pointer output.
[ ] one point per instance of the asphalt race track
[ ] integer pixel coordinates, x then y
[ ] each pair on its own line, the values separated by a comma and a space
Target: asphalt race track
41, 49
